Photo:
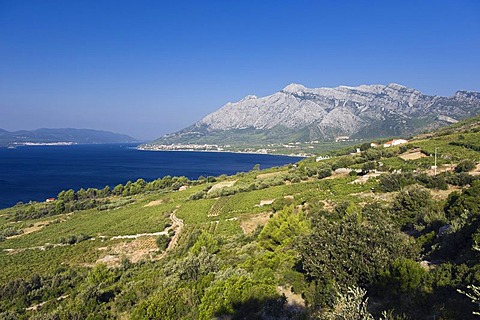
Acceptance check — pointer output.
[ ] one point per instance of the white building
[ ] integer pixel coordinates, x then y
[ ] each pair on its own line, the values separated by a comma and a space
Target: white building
394, 142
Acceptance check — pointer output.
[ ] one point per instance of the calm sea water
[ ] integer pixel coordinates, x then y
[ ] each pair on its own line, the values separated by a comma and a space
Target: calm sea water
37, 173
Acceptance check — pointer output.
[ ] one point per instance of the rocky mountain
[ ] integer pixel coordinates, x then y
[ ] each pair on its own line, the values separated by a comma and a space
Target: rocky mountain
60, 136
297, 113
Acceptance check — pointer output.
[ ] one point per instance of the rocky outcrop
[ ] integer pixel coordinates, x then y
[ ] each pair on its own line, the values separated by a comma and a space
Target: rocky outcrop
301, 113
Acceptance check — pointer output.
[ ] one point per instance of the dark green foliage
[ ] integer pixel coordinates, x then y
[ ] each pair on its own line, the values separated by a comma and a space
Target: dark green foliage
395, 181
343, 162
465, 203
281, 203
403, 276
166, 303
469, 145
411, 206
162, 242
72, 239
465, 166
240, 293
283, 229
352, 251
432, 182
207, 242
365, 146
324, 172
197, 195
368, 166
460, 179
373, 154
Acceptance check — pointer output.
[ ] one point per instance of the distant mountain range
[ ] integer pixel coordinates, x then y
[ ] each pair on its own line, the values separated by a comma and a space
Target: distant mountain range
60, 136
297, 113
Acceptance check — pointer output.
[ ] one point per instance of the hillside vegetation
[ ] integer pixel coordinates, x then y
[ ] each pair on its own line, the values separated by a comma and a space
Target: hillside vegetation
367, 235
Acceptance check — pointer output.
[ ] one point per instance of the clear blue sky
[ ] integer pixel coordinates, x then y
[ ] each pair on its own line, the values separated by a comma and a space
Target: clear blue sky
147, 68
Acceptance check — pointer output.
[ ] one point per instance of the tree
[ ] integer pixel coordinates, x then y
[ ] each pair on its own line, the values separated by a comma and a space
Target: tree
208, 241
404, 276
282, 230
226, 295
105, 192
411, 205
465, 203
118, 190
368, 166
465, 166
59, 206
365, 146
162, 242
354, 250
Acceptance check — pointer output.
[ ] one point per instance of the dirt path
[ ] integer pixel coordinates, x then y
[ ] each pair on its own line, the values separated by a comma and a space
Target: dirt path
142, 247
41, 248
178, 229
41, 304
138, 235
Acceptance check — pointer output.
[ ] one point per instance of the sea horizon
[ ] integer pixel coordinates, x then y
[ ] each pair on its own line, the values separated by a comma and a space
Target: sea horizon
35, 173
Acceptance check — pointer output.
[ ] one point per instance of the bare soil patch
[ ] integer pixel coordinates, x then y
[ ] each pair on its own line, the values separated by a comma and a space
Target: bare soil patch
412, 156
476, 171
220, 185
443, 194
143, 247
338, 174
293, 299
328, 205
250, 223
36, 227
154, 203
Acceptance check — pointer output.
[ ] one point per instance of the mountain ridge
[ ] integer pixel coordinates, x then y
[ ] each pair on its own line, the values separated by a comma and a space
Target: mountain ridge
303, 114
61, 136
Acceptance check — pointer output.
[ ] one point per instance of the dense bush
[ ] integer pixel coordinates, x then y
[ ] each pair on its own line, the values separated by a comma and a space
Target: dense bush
162, 242
395, 181
465, 166
352, 251
411, 206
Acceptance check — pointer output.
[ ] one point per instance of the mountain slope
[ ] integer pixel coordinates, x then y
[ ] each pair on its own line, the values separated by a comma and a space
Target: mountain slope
297, 113
42, 136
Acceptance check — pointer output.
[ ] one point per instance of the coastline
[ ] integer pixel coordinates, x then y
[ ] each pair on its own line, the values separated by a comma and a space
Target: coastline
95, 166
303, 156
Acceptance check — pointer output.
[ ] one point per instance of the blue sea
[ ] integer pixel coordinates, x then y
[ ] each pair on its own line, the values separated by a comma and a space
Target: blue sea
35, 173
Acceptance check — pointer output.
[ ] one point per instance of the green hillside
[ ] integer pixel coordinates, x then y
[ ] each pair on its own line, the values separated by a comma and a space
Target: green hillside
373, 235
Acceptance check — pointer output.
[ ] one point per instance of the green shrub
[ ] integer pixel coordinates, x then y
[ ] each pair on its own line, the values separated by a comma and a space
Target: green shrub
465, 166
162, 242
395, 181
411, 206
